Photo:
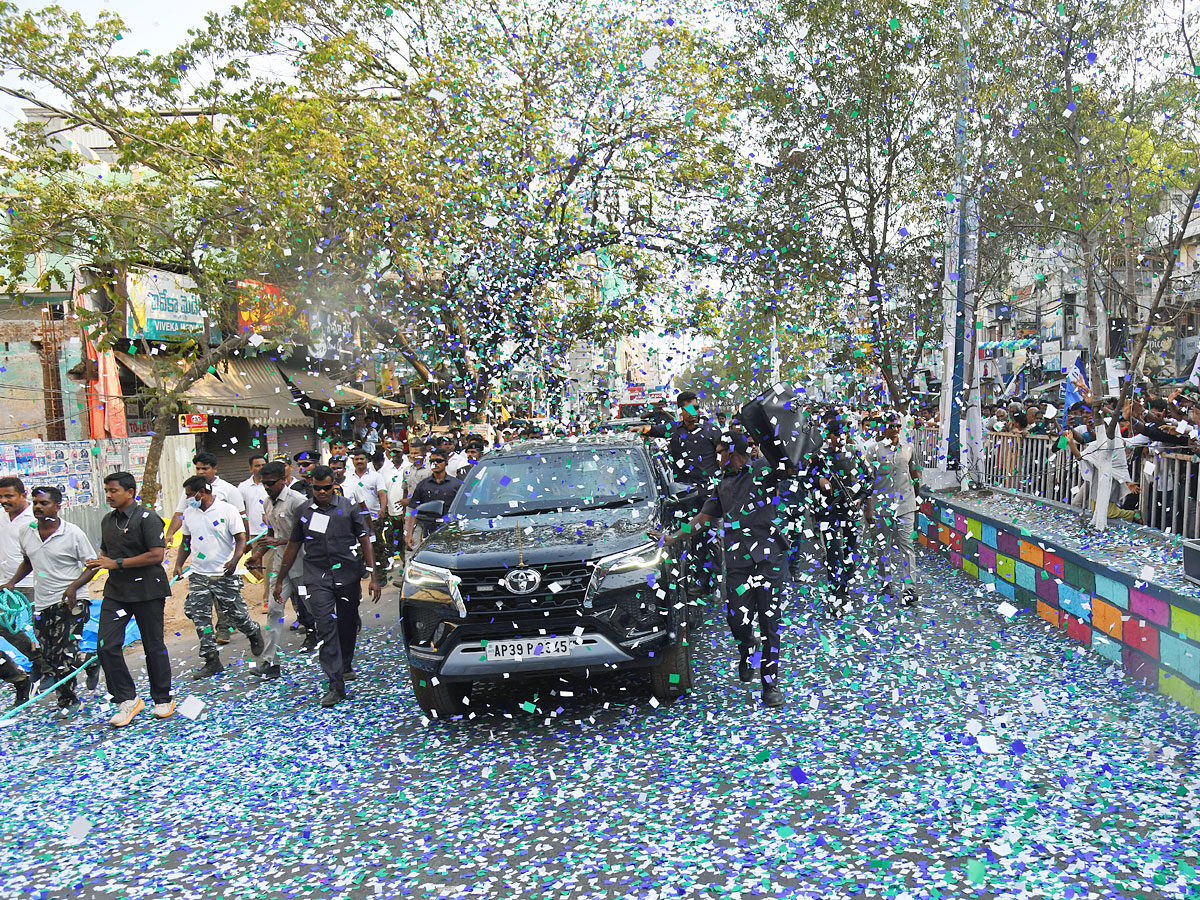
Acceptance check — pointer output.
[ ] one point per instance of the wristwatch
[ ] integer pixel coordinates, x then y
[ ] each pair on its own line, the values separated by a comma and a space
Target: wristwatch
120, 560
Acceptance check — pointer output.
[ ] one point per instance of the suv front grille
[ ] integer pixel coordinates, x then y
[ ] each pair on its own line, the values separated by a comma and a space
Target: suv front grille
563, 586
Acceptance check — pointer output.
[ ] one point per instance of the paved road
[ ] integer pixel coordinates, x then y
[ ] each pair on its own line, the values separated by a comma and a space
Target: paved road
872, 781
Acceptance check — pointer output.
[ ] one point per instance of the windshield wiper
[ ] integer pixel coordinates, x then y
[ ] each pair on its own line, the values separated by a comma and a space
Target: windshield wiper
613, 504
532, 510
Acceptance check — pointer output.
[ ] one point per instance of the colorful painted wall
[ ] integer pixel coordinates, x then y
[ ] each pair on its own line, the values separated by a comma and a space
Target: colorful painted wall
1151, 631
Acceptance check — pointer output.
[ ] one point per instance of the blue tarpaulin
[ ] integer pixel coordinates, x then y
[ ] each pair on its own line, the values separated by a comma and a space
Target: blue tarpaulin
87, 644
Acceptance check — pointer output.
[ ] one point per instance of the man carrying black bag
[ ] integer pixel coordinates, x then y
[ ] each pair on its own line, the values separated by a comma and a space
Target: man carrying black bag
747, 502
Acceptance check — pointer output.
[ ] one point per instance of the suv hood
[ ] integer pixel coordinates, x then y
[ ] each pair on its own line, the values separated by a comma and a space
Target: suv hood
544, 538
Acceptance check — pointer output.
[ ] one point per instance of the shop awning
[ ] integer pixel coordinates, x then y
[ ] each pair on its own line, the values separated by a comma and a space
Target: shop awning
207, 395
257, 381
329, 388
1048, 387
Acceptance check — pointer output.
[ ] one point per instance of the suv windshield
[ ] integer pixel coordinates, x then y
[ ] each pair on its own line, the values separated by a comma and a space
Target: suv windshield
589, 478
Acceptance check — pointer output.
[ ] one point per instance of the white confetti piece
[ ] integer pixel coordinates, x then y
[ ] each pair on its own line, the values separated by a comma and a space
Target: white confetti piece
192, 707
78, 830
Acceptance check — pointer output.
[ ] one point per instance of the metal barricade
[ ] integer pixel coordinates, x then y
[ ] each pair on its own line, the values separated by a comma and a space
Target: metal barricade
1043, 467
1169, 492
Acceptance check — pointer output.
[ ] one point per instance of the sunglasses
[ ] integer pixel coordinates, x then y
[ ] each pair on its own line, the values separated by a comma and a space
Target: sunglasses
272, 482
322, 487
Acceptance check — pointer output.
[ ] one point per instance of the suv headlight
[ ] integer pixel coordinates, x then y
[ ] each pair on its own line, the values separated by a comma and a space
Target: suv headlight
432, 584
639, 559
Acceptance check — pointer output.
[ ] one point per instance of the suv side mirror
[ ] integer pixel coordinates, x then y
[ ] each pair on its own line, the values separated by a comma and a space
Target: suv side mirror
681, 491
431, 511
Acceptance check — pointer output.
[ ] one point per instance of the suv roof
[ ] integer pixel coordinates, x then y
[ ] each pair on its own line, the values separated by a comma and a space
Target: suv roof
586, 442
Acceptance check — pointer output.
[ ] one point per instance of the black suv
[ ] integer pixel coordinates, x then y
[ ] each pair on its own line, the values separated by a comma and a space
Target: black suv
542, 563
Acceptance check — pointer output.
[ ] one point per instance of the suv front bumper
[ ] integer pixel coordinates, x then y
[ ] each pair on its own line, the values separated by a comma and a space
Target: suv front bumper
468, 660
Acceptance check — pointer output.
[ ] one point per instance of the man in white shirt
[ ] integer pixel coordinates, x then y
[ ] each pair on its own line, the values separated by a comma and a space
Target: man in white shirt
206, 466
391, 475
254, 496
282, 509
892, 507
16, 518
364, 487
215, 535
56, 553
414, 470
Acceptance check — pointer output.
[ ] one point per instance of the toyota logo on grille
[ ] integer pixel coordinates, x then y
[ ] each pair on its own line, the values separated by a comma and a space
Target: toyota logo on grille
523, 581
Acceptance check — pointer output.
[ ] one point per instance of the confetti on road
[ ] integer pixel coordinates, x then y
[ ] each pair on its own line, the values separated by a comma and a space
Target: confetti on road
917, 762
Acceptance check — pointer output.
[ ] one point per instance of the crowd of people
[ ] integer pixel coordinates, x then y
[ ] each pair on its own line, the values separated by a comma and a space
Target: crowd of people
311, 527
1154, 418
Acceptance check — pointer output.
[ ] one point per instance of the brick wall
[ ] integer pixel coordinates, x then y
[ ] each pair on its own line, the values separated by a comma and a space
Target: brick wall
1151, 631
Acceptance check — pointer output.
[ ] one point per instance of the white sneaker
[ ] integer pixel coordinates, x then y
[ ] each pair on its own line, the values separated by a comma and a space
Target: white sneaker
126, 711
164, 710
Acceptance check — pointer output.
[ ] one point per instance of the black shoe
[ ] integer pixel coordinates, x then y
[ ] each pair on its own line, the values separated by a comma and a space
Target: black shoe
22, 688
310, 643
772, 696
295, 626
257, 644
332, 697
745, 663
348, 674
67, 701
911, 598
212, 666
93, 676
266, 673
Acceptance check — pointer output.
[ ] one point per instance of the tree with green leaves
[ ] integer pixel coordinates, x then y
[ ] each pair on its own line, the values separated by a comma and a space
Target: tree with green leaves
850, 110
515, 139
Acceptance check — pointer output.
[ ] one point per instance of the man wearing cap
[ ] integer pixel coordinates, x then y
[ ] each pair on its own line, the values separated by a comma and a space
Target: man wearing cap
336, 540
746, 501
305, 461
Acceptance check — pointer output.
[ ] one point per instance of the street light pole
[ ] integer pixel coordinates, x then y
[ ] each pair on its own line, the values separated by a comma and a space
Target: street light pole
959, 336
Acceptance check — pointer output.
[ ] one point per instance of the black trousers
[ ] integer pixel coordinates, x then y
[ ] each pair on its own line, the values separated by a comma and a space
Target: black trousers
702, 559
841, 552
752, 594
110, 648
335, 611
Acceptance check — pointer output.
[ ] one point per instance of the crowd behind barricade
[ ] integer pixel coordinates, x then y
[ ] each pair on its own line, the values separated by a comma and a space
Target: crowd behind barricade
1063, 452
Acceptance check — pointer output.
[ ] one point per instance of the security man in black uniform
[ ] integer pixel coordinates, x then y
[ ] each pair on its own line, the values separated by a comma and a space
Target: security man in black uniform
837, 482
336, 537
693, 450
692, 443
747, 502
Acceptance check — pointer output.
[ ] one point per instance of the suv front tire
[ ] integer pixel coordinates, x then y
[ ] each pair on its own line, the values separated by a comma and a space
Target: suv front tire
438, 698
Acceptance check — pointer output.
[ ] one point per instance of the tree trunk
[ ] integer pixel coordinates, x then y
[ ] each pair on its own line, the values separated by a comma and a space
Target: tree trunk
1097, 338
170, 407
150, 485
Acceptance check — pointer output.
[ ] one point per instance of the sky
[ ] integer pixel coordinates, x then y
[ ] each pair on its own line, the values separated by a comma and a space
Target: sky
154, 25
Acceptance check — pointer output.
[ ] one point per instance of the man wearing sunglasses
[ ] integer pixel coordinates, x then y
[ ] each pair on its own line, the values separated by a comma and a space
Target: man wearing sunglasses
305, 462
336, 540
438, 486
